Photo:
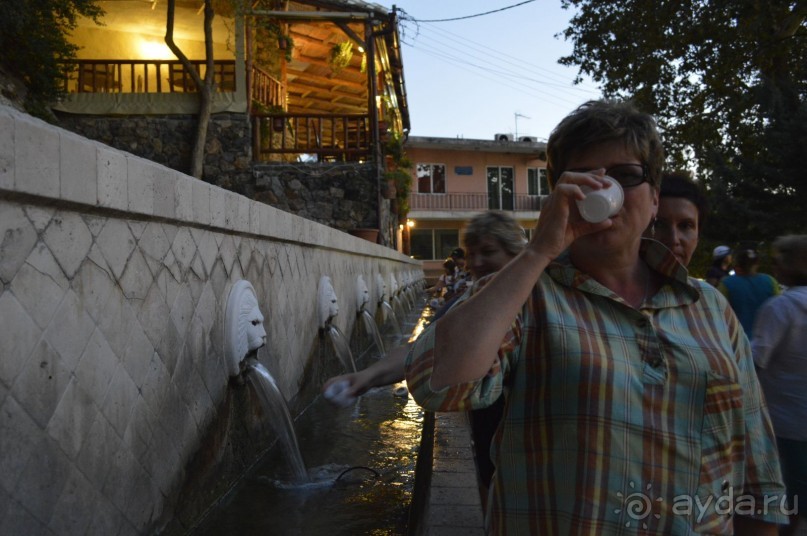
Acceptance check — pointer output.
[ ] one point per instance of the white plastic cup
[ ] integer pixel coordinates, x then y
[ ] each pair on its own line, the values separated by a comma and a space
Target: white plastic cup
599, 205
336, 393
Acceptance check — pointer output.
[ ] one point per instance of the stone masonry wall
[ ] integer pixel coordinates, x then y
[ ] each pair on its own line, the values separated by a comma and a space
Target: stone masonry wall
339, 195
117, 415
168, 140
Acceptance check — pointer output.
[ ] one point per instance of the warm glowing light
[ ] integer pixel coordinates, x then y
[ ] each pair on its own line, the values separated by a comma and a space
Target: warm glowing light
361, 50
410, 223
400, 227
155, 50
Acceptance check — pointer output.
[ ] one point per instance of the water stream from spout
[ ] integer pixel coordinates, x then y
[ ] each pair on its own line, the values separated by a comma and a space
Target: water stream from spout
342, 348
409, 297
372, 328
398, 306
278, 412
395, 323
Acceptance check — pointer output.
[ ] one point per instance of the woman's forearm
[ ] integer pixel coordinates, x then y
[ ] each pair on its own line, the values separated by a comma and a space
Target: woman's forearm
390, 369
468, 337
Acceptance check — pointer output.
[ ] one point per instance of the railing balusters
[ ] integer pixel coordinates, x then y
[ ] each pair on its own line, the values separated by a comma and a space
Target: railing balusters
104, 75
468, 201
343, 137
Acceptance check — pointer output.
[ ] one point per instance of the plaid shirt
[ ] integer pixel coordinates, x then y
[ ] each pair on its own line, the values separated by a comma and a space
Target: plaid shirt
618, 420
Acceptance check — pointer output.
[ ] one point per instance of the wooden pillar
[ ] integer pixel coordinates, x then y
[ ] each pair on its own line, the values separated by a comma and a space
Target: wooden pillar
372, 109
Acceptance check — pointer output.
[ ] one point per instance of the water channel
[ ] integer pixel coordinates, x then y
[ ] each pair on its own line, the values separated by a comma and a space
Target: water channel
360, 462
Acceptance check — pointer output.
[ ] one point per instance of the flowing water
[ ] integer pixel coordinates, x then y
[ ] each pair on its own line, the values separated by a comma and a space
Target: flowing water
372, 328
362, 469
342, 348
396, 324
398, 307
277, 413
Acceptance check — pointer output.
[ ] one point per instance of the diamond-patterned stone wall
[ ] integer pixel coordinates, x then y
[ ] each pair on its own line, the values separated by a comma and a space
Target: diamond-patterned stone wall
114, 277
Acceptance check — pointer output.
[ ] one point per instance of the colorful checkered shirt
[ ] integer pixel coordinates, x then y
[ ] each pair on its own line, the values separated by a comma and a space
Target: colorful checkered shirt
618, 420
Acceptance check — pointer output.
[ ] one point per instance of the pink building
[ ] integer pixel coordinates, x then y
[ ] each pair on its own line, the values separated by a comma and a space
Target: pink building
456, 179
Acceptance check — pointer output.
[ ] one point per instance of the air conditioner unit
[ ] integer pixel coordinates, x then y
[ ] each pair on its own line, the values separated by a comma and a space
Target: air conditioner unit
503, 137
528, 139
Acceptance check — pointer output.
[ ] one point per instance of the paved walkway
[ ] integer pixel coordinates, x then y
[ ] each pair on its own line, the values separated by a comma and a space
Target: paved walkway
454, 508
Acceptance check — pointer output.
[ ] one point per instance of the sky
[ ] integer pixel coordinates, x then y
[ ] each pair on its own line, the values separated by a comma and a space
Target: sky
491, 74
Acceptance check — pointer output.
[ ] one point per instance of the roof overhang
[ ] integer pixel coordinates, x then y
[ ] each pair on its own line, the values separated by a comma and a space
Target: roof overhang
538, 149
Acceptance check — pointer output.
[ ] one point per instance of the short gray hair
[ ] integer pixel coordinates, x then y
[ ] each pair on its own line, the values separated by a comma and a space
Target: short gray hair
498, 225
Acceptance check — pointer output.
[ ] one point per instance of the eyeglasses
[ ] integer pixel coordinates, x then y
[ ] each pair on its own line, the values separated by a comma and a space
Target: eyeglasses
627, 175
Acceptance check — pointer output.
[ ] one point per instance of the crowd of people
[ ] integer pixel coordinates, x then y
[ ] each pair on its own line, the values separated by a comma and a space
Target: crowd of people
593, 366
454, 280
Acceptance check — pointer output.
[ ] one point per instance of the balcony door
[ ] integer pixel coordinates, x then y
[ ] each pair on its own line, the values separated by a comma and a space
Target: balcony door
500, 188
431, 178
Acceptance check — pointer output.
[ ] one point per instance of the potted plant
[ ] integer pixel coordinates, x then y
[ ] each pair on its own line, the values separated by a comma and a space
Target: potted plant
285, 41
394, 151
340, 57
397, 182
398, 175
403, 186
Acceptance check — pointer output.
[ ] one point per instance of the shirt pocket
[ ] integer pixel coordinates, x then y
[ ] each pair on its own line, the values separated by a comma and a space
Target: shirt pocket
722, 455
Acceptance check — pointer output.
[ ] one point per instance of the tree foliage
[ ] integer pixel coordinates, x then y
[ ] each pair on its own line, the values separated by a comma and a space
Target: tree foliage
33, 38
727, 81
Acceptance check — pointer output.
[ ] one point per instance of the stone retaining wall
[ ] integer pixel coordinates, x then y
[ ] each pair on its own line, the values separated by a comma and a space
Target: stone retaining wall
342, 195
168, 140
117, 415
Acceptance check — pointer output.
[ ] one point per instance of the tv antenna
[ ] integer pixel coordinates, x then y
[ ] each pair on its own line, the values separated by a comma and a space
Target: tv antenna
517, 115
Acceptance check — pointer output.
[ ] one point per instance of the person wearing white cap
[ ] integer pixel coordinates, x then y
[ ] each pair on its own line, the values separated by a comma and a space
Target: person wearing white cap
721, 260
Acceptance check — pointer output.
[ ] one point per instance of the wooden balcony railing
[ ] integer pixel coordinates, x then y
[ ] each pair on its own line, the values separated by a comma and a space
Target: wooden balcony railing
343, 137
267, 90
143, 76
466, 201
165, 76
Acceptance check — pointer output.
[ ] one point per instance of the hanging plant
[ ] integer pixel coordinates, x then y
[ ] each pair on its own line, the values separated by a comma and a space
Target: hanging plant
394, 149
340, 57
285, 41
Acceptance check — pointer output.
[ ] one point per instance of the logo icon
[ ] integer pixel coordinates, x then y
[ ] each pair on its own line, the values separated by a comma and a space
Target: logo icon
637, 505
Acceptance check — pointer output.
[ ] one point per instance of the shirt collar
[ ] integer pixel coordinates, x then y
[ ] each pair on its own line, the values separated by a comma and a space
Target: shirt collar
653, 252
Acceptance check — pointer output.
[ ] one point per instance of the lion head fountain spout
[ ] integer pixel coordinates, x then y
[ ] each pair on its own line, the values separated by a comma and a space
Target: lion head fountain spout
244, 333
328, 305
380, 288
363, 311
362, 294
327, 309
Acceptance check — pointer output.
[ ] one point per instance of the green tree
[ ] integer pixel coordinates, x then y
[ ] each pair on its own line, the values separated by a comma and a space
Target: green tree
33, 40
727, 81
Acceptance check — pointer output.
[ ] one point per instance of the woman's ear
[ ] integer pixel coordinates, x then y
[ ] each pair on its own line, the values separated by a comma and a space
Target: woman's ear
656, 198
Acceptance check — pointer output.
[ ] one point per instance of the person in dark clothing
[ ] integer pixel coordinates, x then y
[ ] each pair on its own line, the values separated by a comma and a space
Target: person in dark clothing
721, 263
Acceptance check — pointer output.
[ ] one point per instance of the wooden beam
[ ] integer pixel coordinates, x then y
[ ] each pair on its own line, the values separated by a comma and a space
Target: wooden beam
312, 99
358, 108
320, 62
310, 15
350, 33
297, 77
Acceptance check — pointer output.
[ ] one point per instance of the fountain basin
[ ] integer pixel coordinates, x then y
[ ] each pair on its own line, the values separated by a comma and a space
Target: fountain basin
379, 436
